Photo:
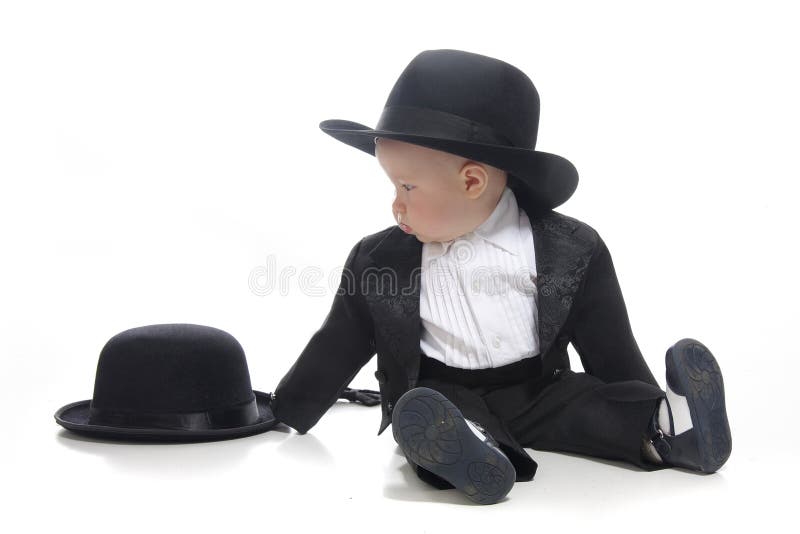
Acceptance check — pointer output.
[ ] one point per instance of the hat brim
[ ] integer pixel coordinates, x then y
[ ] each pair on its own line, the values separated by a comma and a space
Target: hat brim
75, 417
550, 178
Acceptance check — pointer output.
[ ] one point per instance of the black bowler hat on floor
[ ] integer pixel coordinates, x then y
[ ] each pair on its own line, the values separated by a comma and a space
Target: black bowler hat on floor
473, 106
171, 382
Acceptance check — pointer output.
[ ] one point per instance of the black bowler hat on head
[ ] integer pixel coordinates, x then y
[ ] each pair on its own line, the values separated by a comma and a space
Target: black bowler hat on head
171, 382
473, 106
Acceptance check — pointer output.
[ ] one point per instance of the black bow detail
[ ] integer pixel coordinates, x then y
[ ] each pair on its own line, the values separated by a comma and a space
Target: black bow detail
367, 397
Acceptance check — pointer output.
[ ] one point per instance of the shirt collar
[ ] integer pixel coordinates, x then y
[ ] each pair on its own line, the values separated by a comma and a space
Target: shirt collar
501, 228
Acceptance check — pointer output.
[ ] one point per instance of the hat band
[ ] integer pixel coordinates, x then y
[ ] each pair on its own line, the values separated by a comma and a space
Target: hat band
434, 123
235, 416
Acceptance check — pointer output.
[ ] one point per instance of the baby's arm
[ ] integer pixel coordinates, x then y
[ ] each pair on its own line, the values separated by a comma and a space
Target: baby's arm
332, 357
602, 333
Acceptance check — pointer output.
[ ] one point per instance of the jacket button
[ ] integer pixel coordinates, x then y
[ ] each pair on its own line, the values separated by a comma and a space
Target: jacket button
389, 407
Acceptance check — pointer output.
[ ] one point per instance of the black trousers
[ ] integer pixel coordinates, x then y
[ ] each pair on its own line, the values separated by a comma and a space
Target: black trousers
569, 411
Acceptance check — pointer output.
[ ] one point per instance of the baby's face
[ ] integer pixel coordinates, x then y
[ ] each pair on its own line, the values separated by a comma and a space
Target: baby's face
438, 196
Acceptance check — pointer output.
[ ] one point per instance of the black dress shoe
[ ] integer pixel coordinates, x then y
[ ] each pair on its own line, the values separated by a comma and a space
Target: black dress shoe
434, 434
693, 372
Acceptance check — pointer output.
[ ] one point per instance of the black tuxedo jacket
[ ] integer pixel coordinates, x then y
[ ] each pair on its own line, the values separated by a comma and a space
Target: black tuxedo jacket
376, 310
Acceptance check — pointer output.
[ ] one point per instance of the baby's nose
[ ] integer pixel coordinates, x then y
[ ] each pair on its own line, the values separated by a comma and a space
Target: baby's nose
398, 208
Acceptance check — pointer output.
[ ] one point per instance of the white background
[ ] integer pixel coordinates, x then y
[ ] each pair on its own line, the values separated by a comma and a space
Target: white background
153, 154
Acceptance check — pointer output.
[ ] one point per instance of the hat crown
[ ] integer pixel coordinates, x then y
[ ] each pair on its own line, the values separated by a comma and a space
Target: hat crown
171, 368
479, 88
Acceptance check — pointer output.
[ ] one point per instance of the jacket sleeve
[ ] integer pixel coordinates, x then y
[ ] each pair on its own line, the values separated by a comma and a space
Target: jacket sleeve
331, 358
602, 333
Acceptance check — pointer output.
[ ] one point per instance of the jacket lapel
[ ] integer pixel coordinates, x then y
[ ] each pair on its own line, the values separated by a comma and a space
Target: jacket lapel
393, 291
561, 261
562, 257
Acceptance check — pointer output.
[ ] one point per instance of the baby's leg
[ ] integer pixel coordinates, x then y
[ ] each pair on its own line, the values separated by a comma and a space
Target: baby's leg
580, 413
629, 420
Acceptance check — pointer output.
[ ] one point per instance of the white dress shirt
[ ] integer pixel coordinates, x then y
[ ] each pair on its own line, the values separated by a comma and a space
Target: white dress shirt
478, 293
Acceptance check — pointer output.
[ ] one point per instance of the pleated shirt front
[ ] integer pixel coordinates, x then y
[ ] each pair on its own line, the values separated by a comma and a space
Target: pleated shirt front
478, 293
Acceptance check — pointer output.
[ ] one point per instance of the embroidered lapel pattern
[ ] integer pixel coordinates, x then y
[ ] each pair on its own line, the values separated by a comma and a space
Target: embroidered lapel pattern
392, 292
562, 257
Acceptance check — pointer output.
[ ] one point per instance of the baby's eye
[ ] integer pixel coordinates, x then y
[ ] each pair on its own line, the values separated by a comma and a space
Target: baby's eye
407, 187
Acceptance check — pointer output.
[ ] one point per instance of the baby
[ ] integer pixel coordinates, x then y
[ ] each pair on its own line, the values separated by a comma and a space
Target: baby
471, 300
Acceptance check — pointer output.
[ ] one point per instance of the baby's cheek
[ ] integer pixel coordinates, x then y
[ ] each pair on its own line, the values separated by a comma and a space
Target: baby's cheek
449, 216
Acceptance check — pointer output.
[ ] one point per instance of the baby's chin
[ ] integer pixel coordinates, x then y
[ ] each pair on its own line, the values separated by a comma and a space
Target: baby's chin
426, 239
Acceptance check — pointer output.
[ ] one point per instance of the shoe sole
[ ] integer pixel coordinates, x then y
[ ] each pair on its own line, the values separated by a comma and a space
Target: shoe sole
433, 433
693, 373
